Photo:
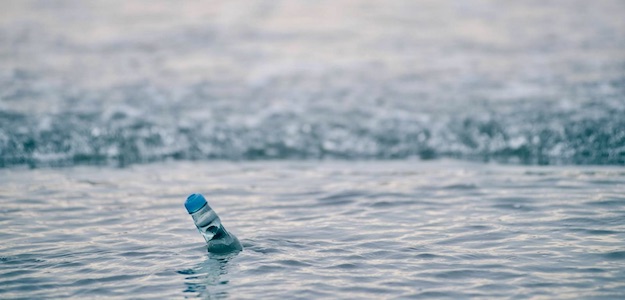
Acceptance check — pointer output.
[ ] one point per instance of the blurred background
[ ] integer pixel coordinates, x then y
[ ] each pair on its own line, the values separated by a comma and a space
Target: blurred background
123, 82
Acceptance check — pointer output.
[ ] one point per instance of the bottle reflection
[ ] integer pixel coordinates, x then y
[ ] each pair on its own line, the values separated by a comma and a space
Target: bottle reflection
208, 280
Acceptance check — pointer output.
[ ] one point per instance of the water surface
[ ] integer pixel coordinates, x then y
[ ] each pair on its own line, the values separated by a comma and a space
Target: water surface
331, 229
320, 131
111, 82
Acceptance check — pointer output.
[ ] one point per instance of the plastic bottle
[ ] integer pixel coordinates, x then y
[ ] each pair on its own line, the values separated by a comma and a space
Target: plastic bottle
218, 239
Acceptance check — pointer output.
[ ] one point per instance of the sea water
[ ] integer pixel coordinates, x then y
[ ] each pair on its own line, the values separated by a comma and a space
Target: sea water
117, 83
340, 230
358, 149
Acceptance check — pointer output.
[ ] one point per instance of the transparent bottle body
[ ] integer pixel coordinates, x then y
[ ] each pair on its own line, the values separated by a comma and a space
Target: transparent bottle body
218, 239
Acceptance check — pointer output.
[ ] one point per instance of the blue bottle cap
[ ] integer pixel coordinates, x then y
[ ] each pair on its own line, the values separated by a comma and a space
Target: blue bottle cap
194, 203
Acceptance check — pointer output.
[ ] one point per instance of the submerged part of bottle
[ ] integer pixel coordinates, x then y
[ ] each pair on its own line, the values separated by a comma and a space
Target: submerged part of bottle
218, 239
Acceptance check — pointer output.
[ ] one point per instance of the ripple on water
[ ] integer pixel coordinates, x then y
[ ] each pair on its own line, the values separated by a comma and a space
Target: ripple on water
418, 242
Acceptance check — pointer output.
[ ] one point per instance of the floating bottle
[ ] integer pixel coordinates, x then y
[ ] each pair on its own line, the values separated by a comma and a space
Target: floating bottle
218, 239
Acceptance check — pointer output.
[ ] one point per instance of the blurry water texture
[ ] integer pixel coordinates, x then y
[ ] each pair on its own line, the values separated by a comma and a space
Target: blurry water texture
122, 82
336, 230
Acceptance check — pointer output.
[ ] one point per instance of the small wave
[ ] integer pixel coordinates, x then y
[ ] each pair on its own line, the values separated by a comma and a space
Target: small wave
121, 137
